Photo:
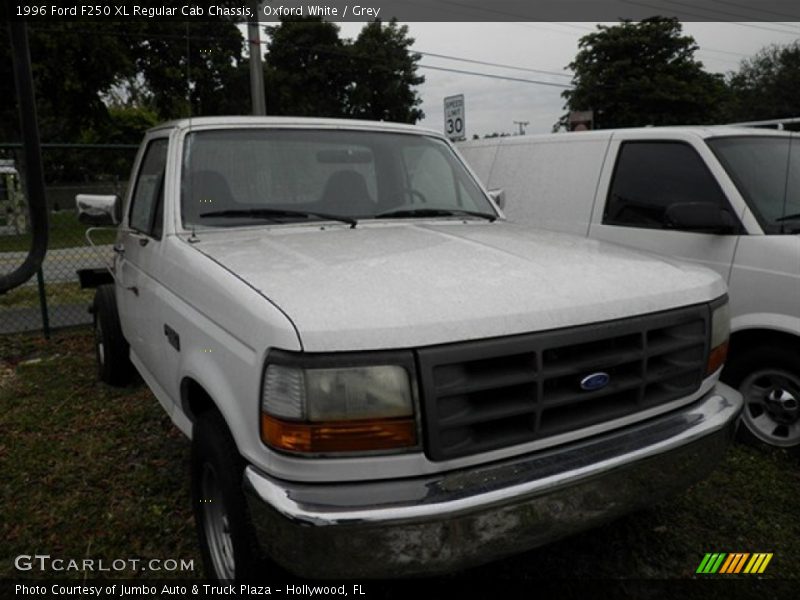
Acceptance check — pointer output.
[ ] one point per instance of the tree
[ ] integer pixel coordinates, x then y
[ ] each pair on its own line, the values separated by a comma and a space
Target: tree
311, 71
645, 73
307, 70
102, 83
766, 86
74, 63
384, 74
81, 68
191, 68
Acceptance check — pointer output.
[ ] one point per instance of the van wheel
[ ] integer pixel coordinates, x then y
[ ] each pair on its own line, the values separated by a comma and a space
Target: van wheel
227, 538
769, 381
111, 349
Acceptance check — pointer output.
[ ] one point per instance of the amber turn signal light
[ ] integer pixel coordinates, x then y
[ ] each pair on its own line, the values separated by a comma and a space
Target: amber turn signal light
338, 436
716, 358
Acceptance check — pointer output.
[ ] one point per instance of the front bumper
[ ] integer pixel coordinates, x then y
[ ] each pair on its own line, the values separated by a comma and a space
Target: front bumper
462, 518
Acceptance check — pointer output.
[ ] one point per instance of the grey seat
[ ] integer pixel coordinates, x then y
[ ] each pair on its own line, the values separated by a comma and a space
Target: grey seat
346, 194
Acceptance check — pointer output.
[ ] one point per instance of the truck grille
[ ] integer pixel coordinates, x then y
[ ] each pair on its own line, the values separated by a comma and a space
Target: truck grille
488, 394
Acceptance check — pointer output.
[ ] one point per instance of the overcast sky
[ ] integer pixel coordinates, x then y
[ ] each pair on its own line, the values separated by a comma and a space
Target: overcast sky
493, 104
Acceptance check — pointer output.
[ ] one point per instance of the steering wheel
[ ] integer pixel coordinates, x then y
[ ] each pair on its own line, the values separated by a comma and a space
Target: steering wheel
412, 193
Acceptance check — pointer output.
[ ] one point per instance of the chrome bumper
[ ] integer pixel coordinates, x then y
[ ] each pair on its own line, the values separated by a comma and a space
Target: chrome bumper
461, 518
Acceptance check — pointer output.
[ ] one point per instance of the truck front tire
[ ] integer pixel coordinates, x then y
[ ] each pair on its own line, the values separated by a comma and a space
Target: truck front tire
769, 380
227, 538
111, 348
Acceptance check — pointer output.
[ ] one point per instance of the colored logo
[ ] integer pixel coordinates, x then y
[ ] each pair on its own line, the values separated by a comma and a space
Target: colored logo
595, 381
733, 563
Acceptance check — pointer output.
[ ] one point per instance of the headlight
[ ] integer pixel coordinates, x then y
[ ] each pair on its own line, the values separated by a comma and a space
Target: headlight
311, 404
720, 333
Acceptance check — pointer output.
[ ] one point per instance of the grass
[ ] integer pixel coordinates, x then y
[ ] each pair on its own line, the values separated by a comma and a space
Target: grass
88, 470
65, 232
91, 471
27, 296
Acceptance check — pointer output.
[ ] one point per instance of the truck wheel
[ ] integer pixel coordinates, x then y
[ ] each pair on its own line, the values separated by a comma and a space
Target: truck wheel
769, 380
227, 538
111, 349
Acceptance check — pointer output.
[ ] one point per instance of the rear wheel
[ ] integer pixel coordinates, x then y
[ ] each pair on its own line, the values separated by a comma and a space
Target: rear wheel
769, 381
227, 537
111, 349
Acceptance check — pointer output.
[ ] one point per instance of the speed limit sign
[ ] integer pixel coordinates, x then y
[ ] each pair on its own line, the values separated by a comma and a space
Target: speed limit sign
454, 124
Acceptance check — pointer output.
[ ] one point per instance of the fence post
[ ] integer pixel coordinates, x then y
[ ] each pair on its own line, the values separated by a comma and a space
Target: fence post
43, 304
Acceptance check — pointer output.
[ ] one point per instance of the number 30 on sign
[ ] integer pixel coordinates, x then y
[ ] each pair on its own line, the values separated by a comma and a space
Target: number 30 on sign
454, 122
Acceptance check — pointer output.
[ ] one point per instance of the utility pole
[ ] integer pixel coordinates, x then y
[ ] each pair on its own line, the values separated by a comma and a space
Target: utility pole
522, 126
256, 70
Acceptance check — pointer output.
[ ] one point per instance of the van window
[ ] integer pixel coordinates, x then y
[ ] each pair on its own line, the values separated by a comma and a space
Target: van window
651, 176
766, 171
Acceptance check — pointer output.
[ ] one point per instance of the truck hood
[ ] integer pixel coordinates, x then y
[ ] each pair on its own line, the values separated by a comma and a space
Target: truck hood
410, 284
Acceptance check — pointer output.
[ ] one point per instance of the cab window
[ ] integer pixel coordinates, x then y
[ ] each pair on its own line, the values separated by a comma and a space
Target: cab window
147, 207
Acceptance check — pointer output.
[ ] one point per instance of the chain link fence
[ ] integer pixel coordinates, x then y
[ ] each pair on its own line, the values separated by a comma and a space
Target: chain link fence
54, 298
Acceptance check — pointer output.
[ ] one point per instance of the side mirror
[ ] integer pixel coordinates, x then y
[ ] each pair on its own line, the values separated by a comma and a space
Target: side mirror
499, 197
702, 217
97, 209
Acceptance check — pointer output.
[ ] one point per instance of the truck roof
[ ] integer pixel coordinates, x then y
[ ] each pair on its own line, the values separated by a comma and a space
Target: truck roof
284, 122
703, 131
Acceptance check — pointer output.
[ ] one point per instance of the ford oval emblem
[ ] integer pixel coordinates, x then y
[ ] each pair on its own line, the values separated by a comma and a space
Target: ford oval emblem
595, 381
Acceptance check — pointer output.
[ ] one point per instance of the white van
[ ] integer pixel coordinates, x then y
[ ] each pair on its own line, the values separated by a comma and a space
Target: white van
725, 197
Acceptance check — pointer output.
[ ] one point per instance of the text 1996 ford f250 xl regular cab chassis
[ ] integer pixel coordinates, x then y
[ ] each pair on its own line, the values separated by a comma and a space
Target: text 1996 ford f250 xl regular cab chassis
380, 376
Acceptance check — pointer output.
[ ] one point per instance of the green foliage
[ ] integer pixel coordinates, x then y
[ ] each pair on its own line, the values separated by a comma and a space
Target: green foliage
644, 73
74, 63
102, 83
767, 86
171, 69
308, 69
124, 125
311, 71
190, 69
384, 74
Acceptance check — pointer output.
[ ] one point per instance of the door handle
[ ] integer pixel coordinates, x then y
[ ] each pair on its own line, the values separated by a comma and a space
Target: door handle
133, 289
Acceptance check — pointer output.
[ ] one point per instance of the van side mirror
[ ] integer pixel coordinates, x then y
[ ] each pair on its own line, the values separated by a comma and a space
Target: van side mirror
98, 209
702, 217
499, 197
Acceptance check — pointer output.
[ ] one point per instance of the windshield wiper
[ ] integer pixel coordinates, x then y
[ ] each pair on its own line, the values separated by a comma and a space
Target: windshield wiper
276, 213
433, 212
794, 217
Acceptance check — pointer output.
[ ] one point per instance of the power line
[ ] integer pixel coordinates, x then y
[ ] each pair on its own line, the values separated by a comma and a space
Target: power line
732, 14
492, 76
489, 64
707, 49
763, 10
573, 26
702, 48
694, 14
378, 63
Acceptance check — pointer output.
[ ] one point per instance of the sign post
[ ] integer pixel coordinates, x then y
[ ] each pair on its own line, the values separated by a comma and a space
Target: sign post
454, 118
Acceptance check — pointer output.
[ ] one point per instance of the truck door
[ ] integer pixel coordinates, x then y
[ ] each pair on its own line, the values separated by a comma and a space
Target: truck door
647, 178
139, 263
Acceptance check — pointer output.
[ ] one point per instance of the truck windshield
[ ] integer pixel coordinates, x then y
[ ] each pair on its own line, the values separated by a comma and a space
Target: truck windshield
235, 177
766, 170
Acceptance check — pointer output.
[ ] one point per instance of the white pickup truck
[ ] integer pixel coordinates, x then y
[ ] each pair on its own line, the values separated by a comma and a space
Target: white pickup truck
379, 375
